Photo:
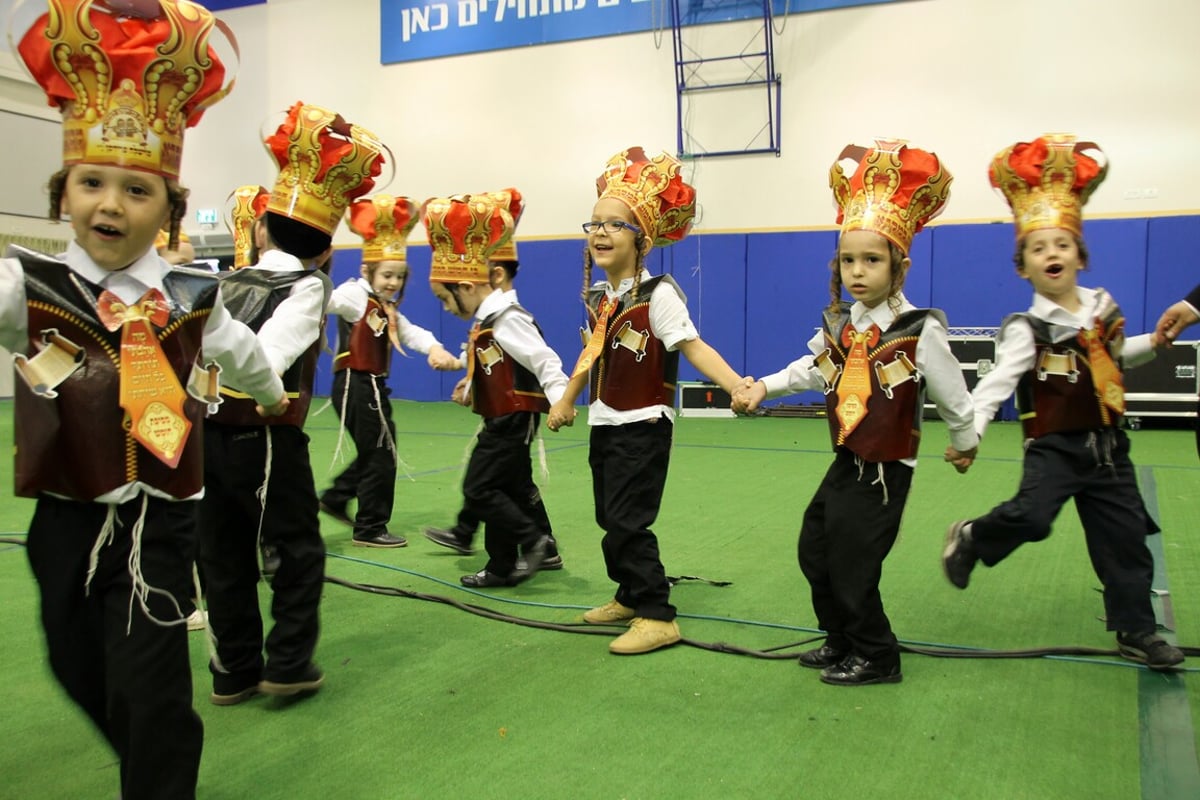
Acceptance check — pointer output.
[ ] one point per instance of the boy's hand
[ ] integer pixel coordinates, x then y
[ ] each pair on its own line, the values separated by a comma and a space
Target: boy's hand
275, 409
748, 397
561, 413
460, 394
1171, 324
961, 459
441, 360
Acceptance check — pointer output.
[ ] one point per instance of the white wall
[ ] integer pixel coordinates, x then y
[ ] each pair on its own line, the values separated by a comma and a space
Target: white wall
961, 77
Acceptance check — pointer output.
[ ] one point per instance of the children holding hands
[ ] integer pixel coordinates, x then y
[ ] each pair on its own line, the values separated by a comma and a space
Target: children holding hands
1063, 358
874, 359
512, 375
369, 326
639, 326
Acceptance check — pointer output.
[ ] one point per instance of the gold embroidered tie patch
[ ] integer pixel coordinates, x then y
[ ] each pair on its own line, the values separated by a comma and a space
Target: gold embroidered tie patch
1106, 376
150, 391
854, 389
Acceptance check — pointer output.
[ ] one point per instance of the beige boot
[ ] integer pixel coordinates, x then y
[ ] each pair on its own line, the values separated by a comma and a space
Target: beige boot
645, 635
611, 613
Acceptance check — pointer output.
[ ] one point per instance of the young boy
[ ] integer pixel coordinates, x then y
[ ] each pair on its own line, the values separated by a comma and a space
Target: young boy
258, 477
502, 270
369, 326
1063, 358
513, 374
874, 403
107, 439
630, 367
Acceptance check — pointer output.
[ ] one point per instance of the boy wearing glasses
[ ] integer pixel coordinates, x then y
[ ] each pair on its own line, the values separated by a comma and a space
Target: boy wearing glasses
512, 374
640, 324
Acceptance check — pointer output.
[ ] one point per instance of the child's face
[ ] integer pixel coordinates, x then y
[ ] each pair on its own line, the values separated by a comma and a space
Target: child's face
464, 301
389, 277
615, 253
1051, 263
115, 212
865, 261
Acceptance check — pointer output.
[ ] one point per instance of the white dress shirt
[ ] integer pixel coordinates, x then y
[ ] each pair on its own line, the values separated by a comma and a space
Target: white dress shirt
671, 324
349, 301
296, 322
1016, 350
516, 334
943, 375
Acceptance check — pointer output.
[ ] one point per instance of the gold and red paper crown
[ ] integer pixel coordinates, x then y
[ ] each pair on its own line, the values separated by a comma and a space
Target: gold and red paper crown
324, 163
661, 202
1047, 181
464, 232
248, 204
383, 222
510, 199
128, 87
894, 191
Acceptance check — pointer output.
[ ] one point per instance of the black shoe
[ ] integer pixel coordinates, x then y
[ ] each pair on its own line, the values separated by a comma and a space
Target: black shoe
384, 539
308, 681
449, 539
337, 513
958, 559
233, 698
483, 580
857, 671
1150, 649
824, 656
531, 561
552, 562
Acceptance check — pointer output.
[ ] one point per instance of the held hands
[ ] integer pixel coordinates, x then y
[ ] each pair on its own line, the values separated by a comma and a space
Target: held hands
275, 409
961, 459
748, 395
460, 394
561, 413
1171, 324
441, 360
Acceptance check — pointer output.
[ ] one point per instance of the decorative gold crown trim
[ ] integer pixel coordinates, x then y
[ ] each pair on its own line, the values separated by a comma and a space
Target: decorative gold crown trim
464, 231
375, 220
324, 164
894, 190
1046, 195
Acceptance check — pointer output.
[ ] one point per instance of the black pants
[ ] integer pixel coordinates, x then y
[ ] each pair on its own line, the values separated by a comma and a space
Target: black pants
848, 530
1095, 470
495, 488
136, 686
466, 523
235, 461
371, 476
629, 472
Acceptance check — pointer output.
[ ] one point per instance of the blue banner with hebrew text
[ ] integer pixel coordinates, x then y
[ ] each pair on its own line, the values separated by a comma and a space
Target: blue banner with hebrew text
413, 30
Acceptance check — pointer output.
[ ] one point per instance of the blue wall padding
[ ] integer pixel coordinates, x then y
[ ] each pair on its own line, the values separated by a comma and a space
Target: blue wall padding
973, 277
711, 270
757, 297
787, 288
1117, 262
1171, 271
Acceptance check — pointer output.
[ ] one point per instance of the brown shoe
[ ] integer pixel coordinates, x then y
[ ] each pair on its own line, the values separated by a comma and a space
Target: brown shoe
611, 613
645, 635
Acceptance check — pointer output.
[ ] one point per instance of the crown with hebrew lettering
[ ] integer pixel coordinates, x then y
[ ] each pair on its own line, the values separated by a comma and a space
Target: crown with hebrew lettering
324, 163
511, 199
1047, 181
246, 205
128, 86
661, 202
894, 190
384, 222
464, 232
